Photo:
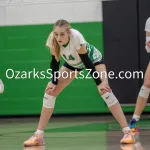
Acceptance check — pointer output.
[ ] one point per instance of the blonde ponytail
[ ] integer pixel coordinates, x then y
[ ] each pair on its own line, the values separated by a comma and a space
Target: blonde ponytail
55, 45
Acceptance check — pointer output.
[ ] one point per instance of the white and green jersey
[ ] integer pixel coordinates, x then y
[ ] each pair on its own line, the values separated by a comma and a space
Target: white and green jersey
70, 52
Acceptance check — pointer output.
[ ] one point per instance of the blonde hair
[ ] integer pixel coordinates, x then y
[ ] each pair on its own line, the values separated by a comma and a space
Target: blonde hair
60, 23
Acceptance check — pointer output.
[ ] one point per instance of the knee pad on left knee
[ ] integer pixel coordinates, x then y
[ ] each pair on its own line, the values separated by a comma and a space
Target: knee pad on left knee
109, 99
49, 101
1, 87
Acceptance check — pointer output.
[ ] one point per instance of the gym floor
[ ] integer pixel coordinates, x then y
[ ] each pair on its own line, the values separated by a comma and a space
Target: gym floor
72, 133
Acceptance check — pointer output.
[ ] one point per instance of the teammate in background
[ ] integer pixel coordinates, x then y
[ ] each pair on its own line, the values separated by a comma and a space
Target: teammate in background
145, 89
70, 44
1, 87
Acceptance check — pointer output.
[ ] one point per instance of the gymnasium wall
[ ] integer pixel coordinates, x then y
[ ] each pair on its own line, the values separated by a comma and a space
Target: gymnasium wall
24, 29
121, 32
25, 12
124, 30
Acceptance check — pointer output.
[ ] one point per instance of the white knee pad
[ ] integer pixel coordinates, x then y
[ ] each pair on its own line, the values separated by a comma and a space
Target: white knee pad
49, 101
144, 92
110, 99
1, 87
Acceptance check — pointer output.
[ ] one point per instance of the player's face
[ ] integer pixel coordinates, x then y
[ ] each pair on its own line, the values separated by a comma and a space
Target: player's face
61, 35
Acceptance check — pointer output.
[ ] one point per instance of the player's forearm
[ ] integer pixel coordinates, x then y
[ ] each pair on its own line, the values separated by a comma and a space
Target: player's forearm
55, 67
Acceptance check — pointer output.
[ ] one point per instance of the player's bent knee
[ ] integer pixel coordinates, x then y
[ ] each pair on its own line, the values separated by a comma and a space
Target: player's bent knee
109, 99
144, 92
49, 101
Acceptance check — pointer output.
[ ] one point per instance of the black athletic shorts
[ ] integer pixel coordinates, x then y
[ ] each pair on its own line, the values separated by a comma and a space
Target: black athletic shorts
77, 69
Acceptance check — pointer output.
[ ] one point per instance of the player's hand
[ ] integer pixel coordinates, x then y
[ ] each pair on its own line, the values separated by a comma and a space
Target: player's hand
50, 88
103, 88
148, 44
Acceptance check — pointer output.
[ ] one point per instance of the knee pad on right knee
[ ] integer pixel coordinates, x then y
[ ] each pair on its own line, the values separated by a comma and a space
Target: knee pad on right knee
49, 101
109, 99
144, 92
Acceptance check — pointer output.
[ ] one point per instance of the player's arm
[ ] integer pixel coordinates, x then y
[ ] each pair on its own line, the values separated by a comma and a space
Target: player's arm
87, 62
54, 65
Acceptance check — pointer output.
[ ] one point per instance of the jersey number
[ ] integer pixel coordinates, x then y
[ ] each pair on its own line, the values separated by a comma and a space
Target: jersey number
69, 58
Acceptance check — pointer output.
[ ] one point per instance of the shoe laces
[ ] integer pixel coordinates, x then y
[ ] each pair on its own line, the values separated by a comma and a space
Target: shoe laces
35, 135
126, 135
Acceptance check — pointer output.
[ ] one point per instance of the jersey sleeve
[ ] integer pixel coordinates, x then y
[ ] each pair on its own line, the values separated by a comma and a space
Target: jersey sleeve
48, 42
79, 40
147, 25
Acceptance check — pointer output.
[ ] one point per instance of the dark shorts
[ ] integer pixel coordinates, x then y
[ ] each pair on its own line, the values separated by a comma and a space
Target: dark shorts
76, 69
